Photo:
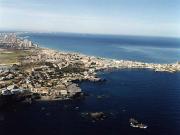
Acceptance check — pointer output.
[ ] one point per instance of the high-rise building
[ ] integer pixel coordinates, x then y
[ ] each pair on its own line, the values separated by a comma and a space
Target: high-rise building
30, 44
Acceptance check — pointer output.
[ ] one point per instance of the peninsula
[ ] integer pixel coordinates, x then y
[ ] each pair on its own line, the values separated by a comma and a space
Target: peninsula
27, 69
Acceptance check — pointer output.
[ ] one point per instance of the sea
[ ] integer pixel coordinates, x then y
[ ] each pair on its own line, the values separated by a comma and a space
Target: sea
152, 98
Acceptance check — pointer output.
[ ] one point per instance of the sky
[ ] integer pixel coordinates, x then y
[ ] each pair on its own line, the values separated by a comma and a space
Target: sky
122, 17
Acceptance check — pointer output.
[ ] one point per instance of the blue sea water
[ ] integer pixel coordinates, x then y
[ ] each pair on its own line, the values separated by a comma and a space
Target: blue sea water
145, 49
150, 97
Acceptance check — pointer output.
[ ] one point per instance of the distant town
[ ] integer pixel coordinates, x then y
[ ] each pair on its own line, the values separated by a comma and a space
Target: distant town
29, 72
10, 40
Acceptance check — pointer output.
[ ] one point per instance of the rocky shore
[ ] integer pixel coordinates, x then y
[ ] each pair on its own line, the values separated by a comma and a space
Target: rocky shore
53, 74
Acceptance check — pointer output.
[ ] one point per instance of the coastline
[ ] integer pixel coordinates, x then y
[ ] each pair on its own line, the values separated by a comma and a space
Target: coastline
108, 63
53, 75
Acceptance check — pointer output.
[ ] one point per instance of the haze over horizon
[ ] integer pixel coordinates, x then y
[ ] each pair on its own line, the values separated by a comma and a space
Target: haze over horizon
122, 17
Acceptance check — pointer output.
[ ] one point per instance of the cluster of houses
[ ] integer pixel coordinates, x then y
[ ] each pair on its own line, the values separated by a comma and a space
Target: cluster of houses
53, 74
47, 80
63, 59
51, 82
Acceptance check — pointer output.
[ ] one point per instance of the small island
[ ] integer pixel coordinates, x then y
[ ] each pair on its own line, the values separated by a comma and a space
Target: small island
135, 124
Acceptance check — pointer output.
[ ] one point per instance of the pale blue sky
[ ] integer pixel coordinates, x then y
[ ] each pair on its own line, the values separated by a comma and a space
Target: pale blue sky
132, 17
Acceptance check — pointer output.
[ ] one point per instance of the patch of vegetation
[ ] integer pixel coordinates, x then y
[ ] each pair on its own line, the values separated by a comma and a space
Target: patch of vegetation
75, 68
12, 56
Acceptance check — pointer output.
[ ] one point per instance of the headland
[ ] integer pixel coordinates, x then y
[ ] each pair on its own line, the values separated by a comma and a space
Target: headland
28, 71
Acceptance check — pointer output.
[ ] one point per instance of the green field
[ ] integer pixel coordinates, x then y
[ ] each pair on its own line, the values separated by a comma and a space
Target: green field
11, 57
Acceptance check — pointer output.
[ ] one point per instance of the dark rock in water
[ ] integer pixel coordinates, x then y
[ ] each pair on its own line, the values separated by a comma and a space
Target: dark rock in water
9, 100
48, 114
94, 116
43, 108
36, 96
79, 95
76, 108
99, 97
124, 110
102, 96
134, 123
132, 120
28, 100
102, 80
97, 115
97, 80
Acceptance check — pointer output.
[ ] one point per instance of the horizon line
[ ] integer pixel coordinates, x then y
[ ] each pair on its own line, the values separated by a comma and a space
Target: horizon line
83, 33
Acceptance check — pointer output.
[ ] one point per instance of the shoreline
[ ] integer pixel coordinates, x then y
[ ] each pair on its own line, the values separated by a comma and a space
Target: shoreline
53, 74
121, 64
115, 63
